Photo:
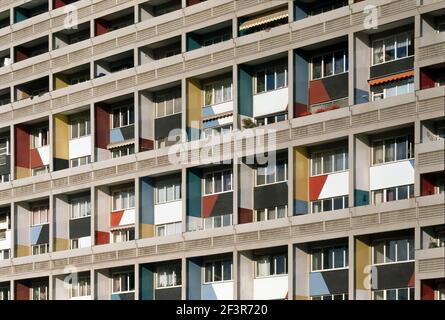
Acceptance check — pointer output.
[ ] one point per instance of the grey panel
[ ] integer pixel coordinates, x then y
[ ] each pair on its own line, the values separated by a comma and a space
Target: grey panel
392, 67
6, 168
164, 125
168, 294
270, 195
337, 86
223, 205
394, 275
44, 235
127, 132
336, 281
80, 228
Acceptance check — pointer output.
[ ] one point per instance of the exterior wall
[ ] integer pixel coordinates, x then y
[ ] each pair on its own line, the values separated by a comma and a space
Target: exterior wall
102, 214
270, 102
245, 193
168, 212
193, 121
362, 269
61, 144
301, 181
61, 223
193, 201
80, 147
329, 185
22, 236
146, 226
22, 152
362, 165
392, 174
328, 282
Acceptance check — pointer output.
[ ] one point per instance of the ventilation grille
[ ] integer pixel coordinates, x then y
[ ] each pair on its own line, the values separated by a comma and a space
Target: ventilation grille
170, 247
106, 256
432, 265
437, 211
223, 241
307, 229
248, 237
337, 225
147, 251
364, 118
274, 234
398, 112
397, 216
81, 260
365, 221
431, 105
126, 254
200, 244
431, 158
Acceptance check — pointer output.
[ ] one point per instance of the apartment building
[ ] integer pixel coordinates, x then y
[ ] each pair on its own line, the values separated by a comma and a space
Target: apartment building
222, 149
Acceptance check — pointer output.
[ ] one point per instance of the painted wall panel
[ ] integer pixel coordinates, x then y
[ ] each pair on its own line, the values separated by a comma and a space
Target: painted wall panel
80, 228
328, 186
121, 134
217, 109
44, 154
361, 175
391, 174
194, 192
61, 224
22, 147
168, 293
362, 268
122, 218
328, 282
245, 88
168, 212
40, 234
146, 282
301, 82
85, 242
392, 67
147, 208
301, 181
80, 147
270, 195
270, 102
61, 137
393, 275
102, 126
164, 125
194, 278
217, 291
6, 242
193, 109
270, 288
217, 204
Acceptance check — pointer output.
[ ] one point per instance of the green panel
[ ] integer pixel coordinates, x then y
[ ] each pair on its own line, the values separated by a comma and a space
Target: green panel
245, 94
194, 192
146, 284
361, 197
193, 42
20, 14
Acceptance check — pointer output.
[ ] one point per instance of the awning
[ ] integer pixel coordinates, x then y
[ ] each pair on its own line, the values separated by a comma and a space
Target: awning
264, 19
393, 77
120, 144
217, 116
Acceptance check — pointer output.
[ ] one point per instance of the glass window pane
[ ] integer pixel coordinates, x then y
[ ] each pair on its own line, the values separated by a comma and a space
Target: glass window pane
402, 46
209, 184
316, 259
227, 180
378, 51
169, 107
177, 104
260, 82
270, 79
316, 164
327, 162
339, 62
208, 272
391, 194
328, 258
316, 68
339, 261
391, 294
328, 65
218, 182
281, 212
226, 220
401, 145
217, 271
391, 251
217, 222
389, 49
281, 171
280, 264
218, 93
402, 294
377, 152
316, 206
411, 249
338, 203
270, 213
389, 150
402, 250
261, 215
379, 252
160, 108
208, 95
227, 270
281, 77
379, 295
327, 205
338, 160
402, 192
227, 96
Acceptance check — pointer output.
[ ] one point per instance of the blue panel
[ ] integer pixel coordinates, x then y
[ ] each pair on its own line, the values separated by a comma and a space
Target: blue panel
208, 111
360, 96
301, 80
300, 12
193, 133
317, 284
412, 162
116, 135
194, 279
20, 14
193, 192
147, 197
146, 282
300, 207
115, 297
193, 42
361, 197
35, 233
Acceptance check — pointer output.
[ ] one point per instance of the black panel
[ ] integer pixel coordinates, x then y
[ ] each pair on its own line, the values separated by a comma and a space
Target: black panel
80, 228
337, 86
168, 294
392, 67
44, 235
164, 125
128, 132
394, 275
223, 205
6, 168
270, 195
126, 296
336, 281
60, 164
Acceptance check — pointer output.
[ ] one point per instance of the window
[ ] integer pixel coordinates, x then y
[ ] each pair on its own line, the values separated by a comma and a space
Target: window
217, 271
40, 170
80, 207
271, 78
393, 194
168, 104
5, 254
339, 296
262, 121
327, 6
217, 92
80, 288
123, 282
441, 238
5, 178
272, 173
329, 258
217, 182
216, 131
329, 64
4, 293
77, 162
40, 137
392, 89
440, 131
439, 294
79, 79
394, 294
40, 249
392, 48
39, 292
4, 150
74, 243
271, 213
392, 149
329, 204
39, 215
168, 276
220, 221
122, 235
123, 199
168, 190
80, 127
273, 265
393, 250
122, 151
329, 161
217, 38
168, 229
122, 116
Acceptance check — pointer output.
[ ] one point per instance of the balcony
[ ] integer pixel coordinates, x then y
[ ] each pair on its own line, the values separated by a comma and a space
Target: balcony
112, 64
68, 37
114, 21
4, 19
31, 49
29, 10
71, 76
156, 8
160, 50
32, 89
263, 21
5, 58
309, 8
209, 36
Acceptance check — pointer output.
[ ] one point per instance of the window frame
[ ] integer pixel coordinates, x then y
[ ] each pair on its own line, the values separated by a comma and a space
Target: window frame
345, 64
385, 243
344, 197
385, 292
78, 284
42, 248
264, 70
385, 190
39, 207
214, 218
271, 257
409, 37
173, 270
121, 234
213, 263
128, 274
267, 169
129, 150
213, 174
129, 190
77, 121
216, 84
128, 109
332, 247
167, 183
409, 149
332, 152
85, 200
78, 161
174, 96
266, 213
37, 133
165, 227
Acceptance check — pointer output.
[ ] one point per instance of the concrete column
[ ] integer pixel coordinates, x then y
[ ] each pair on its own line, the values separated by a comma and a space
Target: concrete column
11, 290
417, 36
351, 64
351, 270
235, 124
352, 173
136, 281
235, 182
184, 109
184, 278
138, 207
290, 77
136, 109
417, 141
51, 219
51, 142
417, 246
93, 133
290, 179
290, 271
93, 215
12, 216
50, 287
12, 152
93, 284
184, 198
235, 274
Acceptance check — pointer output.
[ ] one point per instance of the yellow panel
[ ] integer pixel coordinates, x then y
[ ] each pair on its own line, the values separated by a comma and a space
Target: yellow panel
61, 137
22, 251
60, 82
362, 264
299, 297
61, 244
147, 230
193, 103
301, 173
21, 172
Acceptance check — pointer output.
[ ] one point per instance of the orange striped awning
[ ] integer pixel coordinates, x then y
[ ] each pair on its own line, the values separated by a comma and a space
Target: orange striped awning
393, 77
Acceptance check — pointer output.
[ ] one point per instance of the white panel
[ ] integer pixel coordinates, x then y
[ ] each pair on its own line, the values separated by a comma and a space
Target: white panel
44, 154
168, 212
217, 291
85, 242
390, 175
270, 102
6, 243
80, 147
82, 298
128, 217
337, 184
270, 288
217, 109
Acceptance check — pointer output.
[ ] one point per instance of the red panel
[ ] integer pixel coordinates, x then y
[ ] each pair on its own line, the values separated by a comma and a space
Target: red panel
427, 290
315, 186
102, 237
35, 160
299, 109
59, 4
192, 2
100, 27
426, 79
20, 55
22, 158
208, 203
115, 218
412, 280
102, 127
145, 144
427, 185
245, 215
21, 290
318, 92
